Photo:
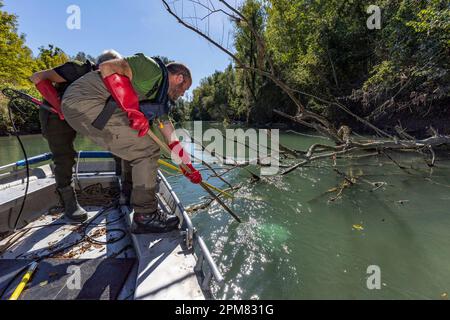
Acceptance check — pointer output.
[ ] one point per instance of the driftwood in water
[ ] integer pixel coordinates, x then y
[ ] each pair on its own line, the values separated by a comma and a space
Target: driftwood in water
344, 145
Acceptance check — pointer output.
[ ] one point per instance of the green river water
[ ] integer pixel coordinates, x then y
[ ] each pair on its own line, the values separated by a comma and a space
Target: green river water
296, 244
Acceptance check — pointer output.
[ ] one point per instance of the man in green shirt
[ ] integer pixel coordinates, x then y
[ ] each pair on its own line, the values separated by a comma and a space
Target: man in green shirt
60, 136
129, 82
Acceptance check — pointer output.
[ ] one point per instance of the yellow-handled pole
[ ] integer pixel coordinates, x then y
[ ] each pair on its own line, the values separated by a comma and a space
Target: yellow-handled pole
26, 278
175, 168
166, 149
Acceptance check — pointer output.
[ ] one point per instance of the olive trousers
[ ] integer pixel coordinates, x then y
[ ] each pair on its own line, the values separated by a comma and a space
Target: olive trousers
60, 137
81, 104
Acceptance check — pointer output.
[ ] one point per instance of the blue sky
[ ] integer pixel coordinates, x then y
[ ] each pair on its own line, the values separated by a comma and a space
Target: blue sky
129, 26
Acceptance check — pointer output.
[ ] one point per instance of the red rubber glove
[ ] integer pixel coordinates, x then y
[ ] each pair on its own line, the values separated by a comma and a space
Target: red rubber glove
123, 93
48, 91
194, 176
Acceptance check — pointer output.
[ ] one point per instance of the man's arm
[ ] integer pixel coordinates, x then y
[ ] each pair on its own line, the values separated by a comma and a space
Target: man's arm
117, 76
43, 80
167, 129
119, 66
47, 75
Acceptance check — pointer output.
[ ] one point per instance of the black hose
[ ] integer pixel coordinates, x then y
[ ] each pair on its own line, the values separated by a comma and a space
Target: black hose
110, 241
85, 236
120, 217
11, 103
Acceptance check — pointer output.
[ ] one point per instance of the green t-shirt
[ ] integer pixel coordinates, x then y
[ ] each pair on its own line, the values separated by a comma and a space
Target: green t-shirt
147, 75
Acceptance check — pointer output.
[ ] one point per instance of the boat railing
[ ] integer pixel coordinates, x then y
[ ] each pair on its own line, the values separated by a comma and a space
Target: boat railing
48, 156
192, 238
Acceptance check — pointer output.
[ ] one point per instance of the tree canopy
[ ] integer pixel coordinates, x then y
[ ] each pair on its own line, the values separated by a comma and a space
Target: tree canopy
17, 64
324, 48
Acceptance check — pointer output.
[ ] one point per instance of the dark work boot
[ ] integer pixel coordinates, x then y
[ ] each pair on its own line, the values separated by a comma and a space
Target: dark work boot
157, 222
72, 209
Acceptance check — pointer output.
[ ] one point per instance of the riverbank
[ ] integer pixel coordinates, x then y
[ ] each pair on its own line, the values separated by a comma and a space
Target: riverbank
415, 126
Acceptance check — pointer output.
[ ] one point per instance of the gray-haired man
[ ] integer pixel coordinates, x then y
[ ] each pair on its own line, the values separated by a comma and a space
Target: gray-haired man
141, 88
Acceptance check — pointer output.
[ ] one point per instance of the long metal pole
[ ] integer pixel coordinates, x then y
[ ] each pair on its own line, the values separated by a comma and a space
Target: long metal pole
166, 149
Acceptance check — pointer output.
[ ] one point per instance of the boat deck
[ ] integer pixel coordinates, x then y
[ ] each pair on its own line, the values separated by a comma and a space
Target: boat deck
166, 267
112, 262
102, 243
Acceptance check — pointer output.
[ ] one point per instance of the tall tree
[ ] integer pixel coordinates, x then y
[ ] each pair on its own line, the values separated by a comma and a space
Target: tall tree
50, 57
249, 81
82, 57
214, 98
16, 60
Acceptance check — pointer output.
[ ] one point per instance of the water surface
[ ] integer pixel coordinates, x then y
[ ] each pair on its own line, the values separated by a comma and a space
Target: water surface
297, 244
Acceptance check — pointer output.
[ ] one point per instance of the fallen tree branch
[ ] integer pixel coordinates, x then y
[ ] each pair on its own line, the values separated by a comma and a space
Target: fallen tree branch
381, 146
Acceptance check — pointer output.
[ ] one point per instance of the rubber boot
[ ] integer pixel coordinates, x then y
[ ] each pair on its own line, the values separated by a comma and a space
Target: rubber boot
157, 222
72, 209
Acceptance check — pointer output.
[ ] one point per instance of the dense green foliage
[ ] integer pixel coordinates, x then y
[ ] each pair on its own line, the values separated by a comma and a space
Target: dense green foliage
17, 64
321, 47
325, 48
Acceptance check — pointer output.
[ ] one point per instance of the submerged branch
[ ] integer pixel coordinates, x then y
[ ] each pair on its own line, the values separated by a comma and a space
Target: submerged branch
316, 152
